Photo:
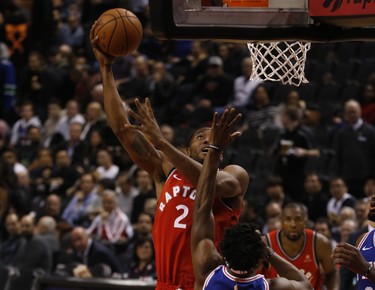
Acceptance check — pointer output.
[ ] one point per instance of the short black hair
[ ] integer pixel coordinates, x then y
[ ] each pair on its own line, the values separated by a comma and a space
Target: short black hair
242, 247
192, 134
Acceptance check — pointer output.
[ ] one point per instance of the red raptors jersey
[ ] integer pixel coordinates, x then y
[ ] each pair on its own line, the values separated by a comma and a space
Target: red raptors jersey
225, 217
172, 231
306, 259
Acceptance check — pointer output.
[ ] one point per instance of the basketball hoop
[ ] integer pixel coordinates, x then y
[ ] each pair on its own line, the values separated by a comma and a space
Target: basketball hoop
279, 61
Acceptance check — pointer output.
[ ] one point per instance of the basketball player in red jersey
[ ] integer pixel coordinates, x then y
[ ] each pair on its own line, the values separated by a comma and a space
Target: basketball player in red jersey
242, 247
304, 248
175, 175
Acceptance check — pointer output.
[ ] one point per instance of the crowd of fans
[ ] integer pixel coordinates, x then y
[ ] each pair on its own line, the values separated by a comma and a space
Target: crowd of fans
66, 184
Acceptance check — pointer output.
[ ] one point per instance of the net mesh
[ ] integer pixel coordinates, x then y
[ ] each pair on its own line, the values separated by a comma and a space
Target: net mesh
279, 61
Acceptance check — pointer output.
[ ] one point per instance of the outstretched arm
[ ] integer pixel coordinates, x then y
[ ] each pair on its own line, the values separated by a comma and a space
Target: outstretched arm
204, 254
230, 182
142, 152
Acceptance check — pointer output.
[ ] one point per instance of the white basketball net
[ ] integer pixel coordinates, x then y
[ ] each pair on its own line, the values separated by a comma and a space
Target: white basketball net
279, 61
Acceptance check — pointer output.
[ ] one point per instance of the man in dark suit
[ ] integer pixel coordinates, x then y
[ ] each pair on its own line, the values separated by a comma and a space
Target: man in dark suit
91, 255
74, 145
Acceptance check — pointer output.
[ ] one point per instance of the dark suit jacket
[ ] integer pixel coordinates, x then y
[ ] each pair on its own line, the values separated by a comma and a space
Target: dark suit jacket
100, 254
347, 276
78, 151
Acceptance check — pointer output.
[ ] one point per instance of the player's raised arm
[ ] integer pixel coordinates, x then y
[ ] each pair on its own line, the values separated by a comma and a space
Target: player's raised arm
138, 147
204, 254
231, 181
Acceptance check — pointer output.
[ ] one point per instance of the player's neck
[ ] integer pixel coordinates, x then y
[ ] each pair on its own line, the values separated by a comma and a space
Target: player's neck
240, 274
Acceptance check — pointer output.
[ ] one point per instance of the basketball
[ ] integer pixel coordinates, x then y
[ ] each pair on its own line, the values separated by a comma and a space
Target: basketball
119, 32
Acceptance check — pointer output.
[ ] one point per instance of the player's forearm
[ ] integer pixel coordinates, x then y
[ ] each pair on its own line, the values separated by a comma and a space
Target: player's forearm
207, 183
140, 150
113, 105
332, 280
287, 270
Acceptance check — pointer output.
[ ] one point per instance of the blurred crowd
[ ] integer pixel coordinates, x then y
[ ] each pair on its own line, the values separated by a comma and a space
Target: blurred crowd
72, 203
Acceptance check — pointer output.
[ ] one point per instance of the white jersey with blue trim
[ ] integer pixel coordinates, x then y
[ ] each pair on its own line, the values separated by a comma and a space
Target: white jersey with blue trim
221, 279
367, 249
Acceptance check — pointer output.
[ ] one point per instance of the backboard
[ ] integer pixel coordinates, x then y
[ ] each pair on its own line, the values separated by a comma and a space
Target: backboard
264, 20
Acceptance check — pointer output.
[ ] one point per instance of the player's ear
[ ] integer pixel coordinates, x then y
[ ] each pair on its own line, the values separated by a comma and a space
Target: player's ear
187, 150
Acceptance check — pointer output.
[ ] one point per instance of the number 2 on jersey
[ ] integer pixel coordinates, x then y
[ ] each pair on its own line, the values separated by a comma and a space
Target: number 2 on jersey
185, 212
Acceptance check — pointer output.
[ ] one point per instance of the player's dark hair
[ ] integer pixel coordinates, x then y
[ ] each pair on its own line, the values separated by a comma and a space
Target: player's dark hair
192, 134
242, 247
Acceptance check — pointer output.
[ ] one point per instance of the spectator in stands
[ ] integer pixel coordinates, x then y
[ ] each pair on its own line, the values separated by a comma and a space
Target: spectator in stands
95, 143
76, 211
126, 193
63, 175
12, 246
261, 113
161, 89
22, 197
316, 198
150, 206
368, 103
73, 145
146, 190
323, 226
40, 171
27, 151
106, 168
46, 229
369, 187
142, 230
38, 83
50, 135
139, 85
355, 149
361, 211
291, 99
168, 132
95, 120
142, 266
215, 88
293, 149
92, 254
347, 213
339, 198
346, 228
8, 84
111, 225
52, 208
196, 64
244, 87
71, 32
250, 214
272, 217
72, 115
36, 253
275, 191
10, 157
19, 129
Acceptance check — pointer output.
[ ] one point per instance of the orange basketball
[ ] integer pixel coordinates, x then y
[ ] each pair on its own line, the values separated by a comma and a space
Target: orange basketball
119, 32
